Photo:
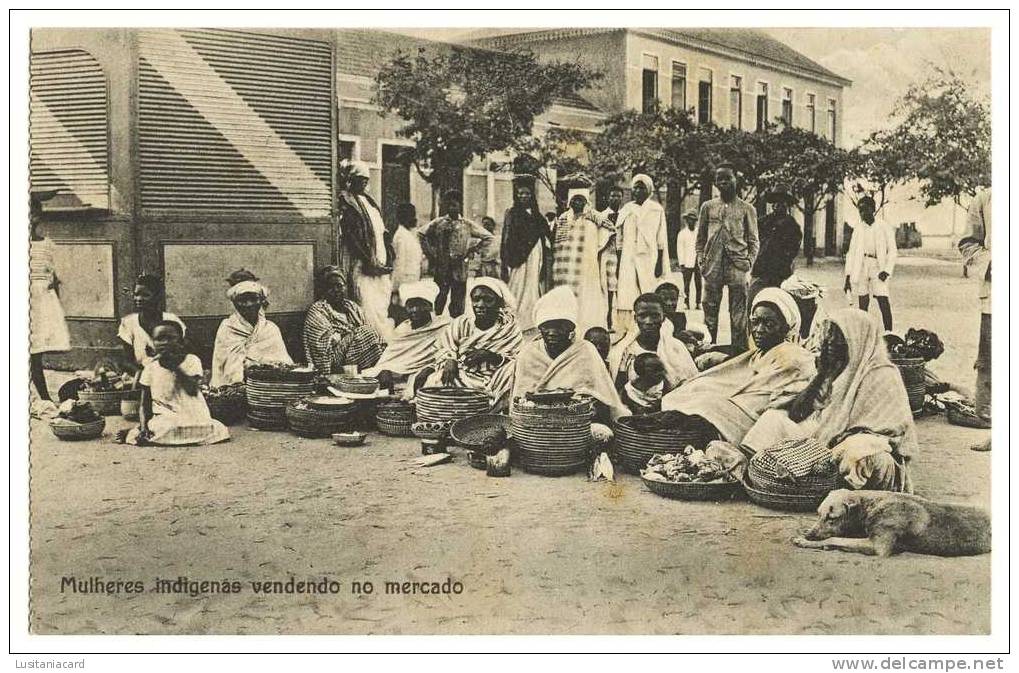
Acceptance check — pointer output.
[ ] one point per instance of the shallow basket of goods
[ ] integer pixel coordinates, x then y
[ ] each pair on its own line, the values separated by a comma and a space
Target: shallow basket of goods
770, 484
552, 440
634, 447
71, 431
479, 431
447, 405
307, 421
105, 402
912, 372
395, 418
267, 401
694, 490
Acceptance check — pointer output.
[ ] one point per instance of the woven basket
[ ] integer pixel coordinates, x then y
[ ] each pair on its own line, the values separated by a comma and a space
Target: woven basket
229, 410
473, 432
268, 400
552, 440
78, 431
357, 385
635, 448
912, 372
105, 402
430, 430
398, 428
308, 422
965, 417
267, 419
279, 376
784, 501
694, 490
446, 405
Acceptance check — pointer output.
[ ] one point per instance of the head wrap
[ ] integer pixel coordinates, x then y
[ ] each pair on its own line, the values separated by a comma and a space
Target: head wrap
556, 304
786, 305
691, 214
497, 286
245, 287
423, 289
360, 169
646, 179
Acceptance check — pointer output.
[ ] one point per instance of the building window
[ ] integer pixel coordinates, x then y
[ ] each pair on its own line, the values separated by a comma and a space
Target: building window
736, 102
831, 119
762, 105
679, 85
704, 96
345, 150
812, 112
649, 93
787, 106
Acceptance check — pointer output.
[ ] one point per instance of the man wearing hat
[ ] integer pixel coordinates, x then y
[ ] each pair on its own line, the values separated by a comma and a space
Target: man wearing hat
780, 238
686, 255
365, 249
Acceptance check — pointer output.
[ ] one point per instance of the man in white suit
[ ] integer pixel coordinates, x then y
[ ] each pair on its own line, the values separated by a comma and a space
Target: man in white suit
871, 260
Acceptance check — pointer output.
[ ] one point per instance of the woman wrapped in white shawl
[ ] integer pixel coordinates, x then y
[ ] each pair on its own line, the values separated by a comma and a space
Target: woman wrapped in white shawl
246, 336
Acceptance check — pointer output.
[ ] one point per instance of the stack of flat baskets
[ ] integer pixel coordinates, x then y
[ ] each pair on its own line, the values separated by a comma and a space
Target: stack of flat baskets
448, 405
634, 447
394, 418
912, 371
307, 420
268, 400
552, 440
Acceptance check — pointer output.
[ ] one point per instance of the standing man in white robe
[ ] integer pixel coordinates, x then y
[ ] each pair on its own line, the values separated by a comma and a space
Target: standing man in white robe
645, 238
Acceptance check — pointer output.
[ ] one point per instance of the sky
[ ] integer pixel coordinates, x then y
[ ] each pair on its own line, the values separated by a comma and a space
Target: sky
882, 62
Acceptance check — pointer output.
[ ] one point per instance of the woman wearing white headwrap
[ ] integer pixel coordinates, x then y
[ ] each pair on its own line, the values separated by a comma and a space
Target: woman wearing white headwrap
557, 359
856, 406
246, 336
733, 395
479, 348
645, 239
412, 347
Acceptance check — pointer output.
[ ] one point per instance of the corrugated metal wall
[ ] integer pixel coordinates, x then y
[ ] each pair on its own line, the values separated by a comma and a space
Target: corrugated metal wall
234, 121
69, 134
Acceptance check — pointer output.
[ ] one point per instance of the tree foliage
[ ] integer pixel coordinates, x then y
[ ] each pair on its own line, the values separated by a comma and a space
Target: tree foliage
461, 103
941, 138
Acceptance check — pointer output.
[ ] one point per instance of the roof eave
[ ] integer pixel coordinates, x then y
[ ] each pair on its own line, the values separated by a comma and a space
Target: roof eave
833, 79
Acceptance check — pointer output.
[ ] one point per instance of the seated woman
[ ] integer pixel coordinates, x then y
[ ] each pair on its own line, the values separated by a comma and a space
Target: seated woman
653, 334
479, 348
336, 332
856, 405
557, 359
412, 348
246, 336
173, 410
732, 395
135, 331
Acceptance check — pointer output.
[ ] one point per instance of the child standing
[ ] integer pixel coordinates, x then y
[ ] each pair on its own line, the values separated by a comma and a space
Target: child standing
449, 240
686, 254
408, 258
173, 410
643, 395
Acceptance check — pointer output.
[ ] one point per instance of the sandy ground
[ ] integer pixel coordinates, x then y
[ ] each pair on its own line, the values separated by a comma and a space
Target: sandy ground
533, 554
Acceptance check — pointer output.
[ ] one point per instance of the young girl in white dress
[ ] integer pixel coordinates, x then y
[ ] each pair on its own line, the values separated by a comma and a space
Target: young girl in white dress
135, 329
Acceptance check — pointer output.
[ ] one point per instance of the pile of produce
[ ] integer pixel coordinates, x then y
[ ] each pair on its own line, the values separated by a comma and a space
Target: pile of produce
689, 466
280, 371
74, 411
104, 379
662, 421
232, 392
919, 343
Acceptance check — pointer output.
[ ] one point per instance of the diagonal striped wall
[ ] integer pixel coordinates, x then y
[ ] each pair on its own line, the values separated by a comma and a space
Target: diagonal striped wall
234, 121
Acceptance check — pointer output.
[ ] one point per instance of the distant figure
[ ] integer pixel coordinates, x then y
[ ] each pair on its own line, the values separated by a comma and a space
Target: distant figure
975, 246
871, 260
727, 246
686, 255
525, 250
644, 248
48, 328
612, 250
780, 238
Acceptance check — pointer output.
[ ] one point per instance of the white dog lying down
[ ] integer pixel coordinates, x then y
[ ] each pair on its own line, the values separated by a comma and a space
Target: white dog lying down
883, 523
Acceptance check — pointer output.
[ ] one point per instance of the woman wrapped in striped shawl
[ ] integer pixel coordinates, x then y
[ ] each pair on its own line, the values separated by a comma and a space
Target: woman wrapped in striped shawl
336, 332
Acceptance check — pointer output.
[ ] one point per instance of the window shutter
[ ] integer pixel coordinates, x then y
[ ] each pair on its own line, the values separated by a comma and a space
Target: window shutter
233, 121
68, 134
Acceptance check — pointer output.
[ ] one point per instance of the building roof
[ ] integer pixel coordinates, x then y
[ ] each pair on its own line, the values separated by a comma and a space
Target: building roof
362, 52
750, 45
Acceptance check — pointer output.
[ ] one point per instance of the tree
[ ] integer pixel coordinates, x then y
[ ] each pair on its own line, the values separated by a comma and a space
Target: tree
560, 149
941, 139
460, 103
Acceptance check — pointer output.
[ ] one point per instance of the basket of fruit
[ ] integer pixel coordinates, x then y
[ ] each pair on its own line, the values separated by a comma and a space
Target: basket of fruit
105, 388
77, 420
690, 475
639, 438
